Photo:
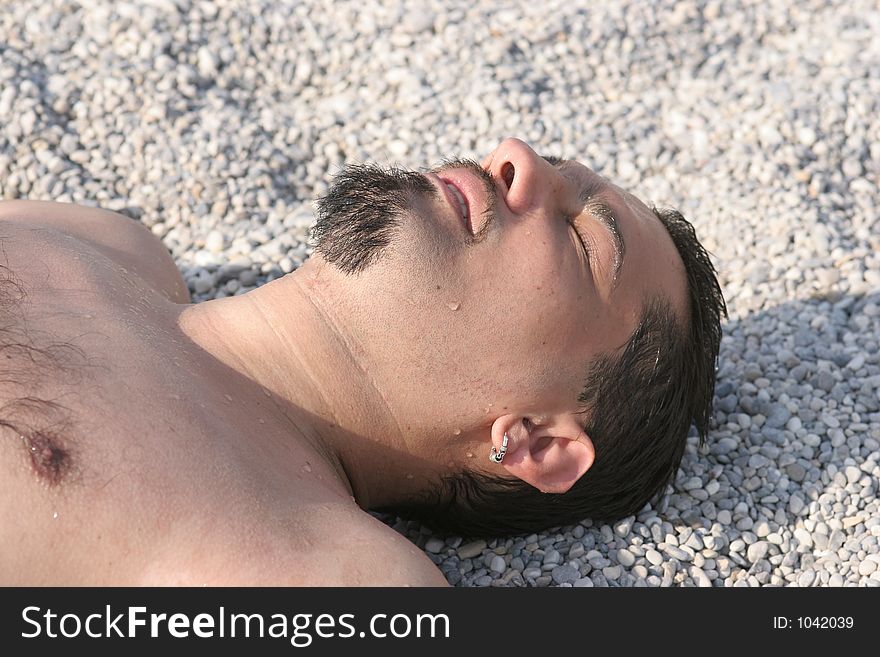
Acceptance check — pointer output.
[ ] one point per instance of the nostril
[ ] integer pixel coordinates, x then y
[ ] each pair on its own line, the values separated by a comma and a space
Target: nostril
507, 173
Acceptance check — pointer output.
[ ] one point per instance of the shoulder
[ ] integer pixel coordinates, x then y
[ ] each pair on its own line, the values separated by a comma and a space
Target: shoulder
122, 239
400, 562
338, 551
363, 551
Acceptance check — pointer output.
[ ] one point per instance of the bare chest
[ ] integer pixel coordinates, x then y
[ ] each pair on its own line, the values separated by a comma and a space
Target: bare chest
124, 439
83, 329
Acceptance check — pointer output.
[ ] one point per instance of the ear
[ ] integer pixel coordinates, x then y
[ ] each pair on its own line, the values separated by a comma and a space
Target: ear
549, 453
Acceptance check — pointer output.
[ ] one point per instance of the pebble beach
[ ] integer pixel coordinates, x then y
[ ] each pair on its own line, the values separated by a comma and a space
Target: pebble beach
217, 124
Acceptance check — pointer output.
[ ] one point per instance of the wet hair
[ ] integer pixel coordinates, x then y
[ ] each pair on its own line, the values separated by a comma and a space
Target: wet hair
641, 401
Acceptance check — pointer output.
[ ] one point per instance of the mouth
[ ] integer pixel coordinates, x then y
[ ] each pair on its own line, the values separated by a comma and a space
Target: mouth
458, 201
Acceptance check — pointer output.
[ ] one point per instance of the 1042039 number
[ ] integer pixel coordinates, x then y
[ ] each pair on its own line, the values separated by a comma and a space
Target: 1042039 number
825, 622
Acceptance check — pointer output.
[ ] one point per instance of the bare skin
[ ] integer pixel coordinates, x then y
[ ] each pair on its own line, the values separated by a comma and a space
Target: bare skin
238, 441
183, 472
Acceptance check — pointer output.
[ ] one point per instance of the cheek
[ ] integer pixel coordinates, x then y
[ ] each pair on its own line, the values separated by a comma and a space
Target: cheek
534, 311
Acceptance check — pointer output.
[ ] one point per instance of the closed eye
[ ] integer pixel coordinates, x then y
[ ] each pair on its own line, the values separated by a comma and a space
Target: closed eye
585, 242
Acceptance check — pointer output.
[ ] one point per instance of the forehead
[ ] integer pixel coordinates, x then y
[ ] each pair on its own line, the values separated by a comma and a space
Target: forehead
657, 267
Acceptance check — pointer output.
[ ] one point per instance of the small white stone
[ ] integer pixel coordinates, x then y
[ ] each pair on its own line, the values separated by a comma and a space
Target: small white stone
700, 578
806, 136
757, 551
654, 557
806, 578
207, 62
867, 567
625, 558
398, 148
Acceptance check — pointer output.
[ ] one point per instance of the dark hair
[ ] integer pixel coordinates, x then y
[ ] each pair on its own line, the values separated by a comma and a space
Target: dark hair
641, 404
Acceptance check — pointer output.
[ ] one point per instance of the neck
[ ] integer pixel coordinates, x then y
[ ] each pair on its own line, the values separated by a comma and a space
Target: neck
287, 338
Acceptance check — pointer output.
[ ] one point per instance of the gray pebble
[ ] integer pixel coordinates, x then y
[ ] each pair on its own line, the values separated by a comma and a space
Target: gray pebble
576, 551
612, 572
471, 550
497, 565
778, 417
796, 472
552, 556
203, 283
565, 573
727, 404
248, 278
825, 381
623, 527
675, 552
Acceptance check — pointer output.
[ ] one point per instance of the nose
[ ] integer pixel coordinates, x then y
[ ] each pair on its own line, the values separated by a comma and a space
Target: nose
527, 181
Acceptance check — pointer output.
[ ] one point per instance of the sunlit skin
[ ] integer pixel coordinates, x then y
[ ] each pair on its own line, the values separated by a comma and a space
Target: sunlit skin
238, 440
443, 345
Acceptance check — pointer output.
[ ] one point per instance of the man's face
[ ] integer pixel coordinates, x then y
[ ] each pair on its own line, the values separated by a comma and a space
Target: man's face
491, 289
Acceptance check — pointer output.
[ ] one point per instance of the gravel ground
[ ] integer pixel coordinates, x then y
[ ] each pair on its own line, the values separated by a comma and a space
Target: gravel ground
217, 123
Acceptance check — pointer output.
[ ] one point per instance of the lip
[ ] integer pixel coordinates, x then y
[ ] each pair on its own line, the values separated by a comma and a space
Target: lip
452, 201
473, 189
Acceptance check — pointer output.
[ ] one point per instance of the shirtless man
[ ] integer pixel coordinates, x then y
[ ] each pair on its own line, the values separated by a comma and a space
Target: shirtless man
525, 309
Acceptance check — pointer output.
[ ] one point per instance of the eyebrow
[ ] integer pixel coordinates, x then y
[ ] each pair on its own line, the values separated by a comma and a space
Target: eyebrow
602, 212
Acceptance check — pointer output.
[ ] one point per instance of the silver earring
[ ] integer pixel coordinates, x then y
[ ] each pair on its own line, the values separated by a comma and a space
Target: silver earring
497, 456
